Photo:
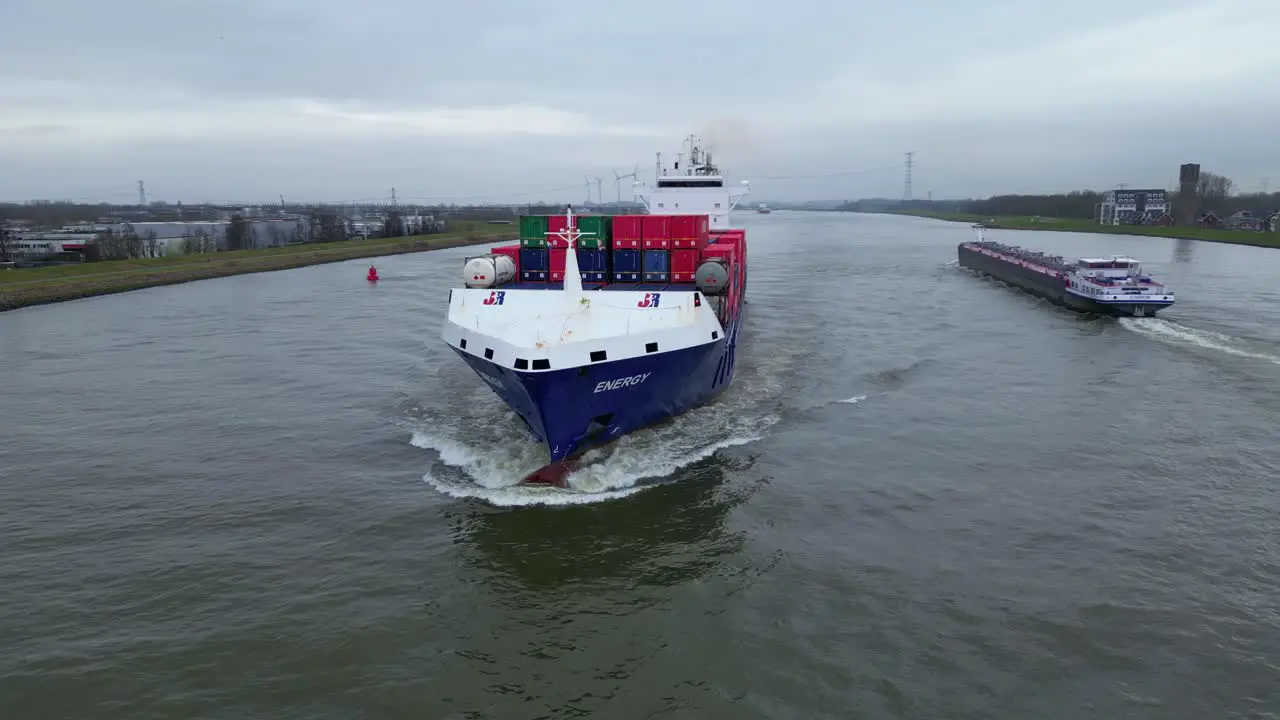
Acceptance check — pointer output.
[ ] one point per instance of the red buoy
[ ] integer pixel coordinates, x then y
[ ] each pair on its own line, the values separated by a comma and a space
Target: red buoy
373, 274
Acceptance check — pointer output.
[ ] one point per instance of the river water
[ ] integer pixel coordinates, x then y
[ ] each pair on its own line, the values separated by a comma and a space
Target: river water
926, 495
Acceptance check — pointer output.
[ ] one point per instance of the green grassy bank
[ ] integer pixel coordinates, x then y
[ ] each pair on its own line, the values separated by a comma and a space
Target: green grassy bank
1234, 237
36, 286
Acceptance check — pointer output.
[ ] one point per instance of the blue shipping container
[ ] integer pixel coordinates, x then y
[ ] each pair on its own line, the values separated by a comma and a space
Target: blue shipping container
655, 265
534, 263
596, 261
620, 276
626, 261
534, 259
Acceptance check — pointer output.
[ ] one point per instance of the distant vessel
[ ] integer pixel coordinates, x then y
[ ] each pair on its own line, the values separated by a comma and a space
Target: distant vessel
595, 326
763, 209
1112, 286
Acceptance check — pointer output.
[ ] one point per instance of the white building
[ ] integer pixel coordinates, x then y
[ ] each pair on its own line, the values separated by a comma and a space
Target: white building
1133, 207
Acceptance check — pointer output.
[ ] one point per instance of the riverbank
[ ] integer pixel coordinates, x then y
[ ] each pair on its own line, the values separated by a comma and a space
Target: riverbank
38, 286
1233, 237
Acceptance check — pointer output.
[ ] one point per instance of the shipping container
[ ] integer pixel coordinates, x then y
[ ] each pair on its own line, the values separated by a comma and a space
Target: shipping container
600, 227
630, 227
625, 243
684, 263
486, 271
557, 256
729, 237
555, 224
533, 243
533, 227
656, 232
593, 265
593, 259
656, 265
689, 231
719, 250
533, 265
626, 265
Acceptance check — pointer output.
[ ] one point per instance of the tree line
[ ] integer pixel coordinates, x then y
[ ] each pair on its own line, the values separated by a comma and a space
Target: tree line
1213, 193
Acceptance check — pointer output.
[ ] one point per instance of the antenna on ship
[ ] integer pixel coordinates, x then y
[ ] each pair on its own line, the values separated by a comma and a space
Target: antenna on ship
570, 234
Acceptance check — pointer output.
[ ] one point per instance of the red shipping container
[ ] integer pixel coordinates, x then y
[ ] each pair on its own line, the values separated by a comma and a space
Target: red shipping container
689, 231
684, 264
656, 232
628, 227
557, 263
717, 250
555, 224
628, 231
728, 237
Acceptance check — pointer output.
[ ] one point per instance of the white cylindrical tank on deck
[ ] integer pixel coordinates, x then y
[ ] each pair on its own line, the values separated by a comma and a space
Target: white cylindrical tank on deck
712, 277
488, 271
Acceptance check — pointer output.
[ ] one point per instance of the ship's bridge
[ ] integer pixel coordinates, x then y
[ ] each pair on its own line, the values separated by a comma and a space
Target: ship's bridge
1114, 267
697, 189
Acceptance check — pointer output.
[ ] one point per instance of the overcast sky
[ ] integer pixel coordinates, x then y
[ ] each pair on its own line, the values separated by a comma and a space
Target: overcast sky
496, 100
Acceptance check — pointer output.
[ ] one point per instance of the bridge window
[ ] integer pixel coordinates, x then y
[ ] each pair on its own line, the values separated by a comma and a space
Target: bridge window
690, 183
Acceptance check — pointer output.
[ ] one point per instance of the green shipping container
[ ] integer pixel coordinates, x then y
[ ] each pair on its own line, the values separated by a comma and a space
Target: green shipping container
601, 227
538, 243
533, 227
592, 244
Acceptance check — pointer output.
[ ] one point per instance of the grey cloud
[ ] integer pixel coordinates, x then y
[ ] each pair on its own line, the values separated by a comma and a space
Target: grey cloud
808, 88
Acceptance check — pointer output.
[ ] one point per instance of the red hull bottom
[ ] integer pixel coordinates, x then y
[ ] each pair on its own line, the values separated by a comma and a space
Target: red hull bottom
556, 474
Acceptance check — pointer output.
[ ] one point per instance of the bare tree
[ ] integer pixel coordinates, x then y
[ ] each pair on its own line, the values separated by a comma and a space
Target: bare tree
131, 246
1213, 190
151, 244
112, 245
6, 237
198, 242
328, 226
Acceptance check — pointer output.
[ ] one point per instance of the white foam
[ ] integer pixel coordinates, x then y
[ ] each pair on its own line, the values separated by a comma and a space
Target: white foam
1175, 334
853, 400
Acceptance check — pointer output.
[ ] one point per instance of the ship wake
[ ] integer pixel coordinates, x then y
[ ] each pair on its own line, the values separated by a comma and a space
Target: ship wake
1188, 337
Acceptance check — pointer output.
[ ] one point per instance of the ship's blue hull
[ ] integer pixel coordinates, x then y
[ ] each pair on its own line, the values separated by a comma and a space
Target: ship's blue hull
576, 409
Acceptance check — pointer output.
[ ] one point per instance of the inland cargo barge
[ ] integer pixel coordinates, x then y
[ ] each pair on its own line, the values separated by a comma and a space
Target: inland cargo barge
1110, 286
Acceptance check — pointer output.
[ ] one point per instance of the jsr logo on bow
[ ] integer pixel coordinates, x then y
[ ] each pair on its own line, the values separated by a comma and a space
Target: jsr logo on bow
495, 297
650, 300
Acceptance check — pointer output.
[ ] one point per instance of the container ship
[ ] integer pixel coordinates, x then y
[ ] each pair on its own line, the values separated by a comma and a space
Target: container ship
1111, 286
595, 326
